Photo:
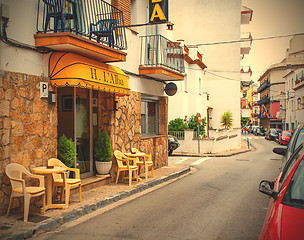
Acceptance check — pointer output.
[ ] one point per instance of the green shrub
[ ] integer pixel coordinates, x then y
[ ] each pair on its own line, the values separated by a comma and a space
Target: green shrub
177, 124
192, 124
103, 149
66, 151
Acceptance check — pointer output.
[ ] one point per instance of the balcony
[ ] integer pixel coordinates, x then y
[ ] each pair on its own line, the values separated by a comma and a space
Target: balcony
92, 28
264, 85
161, 58
246, 73
246, 41
299, 81
264, 100
246, 15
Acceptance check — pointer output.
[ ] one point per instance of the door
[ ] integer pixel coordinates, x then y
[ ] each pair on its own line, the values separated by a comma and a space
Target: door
75, 121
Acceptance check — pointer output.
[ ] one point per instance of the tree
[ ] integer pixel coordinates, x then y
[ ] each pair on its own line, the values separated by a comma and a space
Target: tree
192, 124
227, 120
245, 120
177, 124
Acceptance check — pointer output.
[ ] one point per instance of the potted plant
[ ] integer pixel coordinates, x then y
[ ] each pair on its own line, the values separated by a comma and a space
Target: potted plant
103, 153
66, 151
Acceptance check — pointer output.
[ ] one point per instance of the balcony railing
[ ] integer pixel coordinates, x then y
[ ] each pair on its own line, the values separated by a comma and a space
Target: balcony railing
157, 50
263, 86
93, 19
264, 100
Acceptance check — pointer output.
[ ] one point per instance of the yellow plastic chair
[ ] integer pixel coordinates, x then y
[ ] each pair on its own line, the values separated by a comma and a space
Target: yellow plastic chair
146, 162
58, 181
15, 171
123, 164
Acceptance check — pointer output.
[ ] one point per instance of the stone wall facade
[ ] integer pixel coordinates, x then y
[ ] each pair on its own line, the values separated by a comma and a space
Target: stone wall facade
28, 127
124, 127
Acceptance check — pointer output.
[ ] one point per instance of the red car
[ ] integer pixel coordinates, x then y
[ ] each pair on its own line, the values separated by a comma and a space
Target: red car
285, 137
285, 217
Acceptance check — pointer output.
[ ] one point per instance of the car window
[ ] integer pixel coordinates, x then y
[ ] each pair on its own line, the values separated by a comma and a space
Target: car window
289, 165
295, 192
287, 134
300, 138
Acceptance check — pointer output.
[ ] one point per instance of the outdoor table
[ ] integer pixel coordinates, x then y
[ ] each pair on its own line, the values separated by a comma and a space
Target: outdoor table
49, 184
137, 155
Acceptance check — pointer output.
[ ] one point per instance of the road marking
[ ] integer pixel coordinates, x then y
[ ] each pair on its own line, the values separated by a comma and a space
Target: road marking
201, 160
182, 160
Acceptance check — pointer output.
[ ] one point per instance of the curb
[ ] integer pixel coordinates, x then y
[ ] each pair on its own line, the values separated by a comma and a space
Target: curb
211, 155
53, 223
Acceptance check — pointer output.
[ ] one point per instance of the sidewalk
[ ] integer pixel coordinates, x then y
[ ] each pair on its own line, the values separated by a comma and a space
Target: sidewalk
13, 227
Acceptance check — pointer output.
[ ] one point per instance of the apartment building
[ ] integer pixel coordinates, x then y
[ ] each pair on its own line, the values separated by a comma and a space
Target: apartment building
273, 87
217, 87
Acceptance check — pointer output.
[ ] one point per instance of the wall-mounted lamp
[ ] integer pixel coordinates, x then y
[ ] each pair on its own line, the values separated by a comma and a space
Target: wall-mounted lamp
170, 26
115, 105
300, 101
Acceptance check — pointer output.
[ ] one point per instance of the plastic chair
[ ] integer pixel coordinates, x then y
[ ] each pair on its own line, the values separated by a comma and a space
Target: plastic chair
104, 28
123, 164
14, 171
146, 162
58, 181
55, 9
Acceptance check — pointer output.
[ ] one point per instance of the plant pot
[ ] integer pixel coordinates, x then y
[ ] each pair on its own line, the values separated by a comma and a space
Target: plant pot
103, 168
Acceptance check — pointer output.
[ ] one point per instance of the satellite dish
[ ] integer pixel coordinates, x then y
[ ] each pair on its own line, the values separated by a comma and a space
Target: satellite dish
170, 89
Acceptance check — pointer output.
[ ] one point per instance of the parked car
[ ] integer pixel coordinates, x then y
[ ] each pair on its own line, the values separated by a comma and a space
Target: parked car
260, 132
284, 137
271, 134
285, 215
173, 144
296, 139
253, 129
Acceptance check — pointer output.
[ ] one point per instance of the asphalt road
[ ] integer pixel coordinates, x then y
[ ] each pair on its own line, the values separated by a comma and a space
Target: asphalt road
218, 201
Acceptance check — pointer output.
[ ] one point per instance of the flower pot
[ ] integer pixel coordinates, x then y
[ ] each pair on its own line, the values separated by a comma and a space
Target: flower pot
103, 168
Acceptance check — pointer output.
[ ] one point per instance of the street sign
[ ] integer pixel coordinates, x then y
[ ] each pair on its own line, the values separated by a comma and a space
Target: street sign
44, 90
198, 118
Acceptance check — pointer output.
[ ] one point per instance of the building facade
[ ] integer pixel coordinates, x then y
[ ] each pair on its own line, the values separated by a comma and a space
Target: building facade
276, 95
78, 72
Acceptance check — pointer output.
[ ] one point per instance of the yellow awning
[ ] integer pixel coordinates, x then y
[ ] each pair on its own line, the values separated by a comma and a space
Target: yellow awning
69, 69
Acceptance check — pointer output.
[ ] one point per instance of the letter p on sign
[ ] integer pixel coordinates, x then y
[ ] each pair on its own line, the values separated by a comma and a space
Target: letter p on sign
44, 90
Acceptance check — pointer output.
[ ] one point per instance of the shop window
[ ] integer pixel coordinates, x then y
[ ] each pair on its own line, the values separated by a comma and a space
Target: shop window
149, 117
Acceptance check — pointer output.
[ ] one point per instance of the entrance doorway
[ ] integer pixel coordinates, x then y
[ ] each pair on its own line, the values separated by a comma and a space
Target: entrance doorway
75, 120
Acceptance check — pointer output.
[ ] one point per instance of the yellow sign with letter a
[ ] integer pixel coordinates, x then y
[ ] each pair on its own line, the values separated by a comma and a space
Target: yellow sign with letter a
158, 10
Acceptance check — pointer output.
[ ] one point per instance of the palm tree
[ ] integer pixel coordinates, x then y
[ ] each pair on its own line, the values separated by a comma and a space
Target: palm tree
227, 119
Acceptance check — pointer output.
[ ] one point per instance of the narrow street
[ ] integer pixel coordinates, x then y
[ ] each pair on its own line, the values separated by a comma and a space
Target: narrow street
218, 201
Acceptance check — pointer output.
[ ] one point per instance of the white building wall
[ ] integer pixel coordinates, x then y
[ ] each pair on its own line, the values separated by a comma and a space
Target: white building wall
22, 27
207, 22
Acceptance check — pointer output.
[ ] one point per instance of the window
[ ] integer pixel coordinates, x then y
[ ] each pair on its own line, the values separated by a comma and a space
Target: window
149, 116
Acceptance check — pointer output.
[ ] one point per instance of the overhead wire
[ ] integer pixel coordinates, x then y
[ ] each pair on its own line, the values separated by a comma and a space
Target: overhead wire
244, 40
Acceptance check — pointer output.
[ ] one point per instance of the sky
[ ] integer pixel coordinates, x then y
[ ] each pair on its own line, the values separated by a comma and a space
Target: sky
271, 18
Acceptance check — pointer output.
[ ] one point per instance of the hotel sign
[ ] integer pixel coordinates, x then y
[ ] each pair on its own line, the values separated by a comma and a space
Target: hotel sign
69, 69
158, 10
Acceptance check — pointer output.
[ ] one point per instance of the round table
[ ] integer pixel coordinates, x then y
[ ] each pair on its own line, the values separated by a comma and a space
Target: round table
49, 184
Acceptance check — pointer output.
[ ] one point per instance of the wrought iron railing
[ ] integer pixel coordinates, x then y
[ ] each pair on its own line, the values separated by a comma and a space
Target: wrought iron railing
263, 86
93, 19
177, 134
157, 50
264, 100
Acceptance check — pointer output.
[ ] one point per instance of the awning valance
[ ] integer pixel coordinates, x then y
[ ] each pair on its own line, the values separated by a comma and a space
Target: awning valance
69, 69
